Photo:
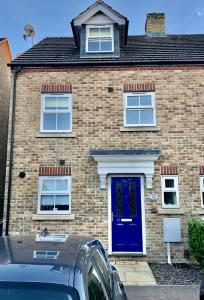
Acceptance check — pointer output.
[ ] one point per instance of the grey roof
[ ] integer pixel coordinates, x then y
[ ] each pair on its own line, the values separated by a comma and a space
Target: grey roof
125, 152
140, 50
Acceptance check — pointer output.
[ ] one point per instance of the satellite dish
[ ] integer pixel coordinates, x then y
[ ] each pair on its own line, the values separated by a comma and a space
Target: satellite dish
29, 30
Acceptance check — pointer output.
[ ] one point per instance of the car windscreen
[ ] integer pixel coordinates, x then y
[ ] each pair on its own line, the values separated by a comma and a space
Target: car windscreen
33, 291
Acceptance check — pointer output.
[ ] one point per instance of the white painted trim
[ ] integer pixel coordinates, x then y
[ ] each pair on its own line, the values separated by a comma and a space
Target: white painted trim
125, 164
128, 253
46, 254
54, 212
202, 190
142, 215
175, 189
67, 111
100, 38
95, 8
153, 106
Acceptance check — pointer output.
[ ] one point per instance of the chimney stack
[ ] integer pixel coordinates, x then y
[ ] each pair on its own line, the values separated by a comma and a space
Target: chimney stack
155, 24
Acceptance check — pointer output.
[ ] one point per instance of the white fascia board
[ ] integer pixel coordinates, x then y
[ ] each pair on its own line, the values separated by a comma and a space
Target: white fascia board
93, 10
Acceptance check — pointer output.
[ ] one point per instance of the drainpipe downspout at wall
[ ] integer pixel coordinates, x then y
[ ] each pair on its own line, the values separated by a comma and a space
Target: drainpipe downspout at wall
10, 172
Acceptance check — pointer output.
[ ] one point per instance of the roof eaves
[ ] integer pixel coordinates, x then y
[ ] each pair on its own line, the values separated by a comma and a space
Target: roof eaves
107, 64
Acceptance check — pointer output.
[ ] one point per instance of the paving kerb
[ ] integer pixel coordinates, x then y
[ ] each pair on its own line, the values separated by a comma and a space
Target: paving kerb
170, 292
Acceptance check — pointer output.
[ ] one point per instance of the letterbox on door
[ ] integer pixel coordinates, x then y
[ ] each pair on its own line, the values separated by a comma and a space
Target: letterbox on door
172, 230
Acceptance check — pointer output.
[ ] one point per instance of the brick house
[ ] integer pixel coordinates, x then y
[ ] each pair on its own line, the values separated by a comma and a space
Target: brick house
5, 58
108, 134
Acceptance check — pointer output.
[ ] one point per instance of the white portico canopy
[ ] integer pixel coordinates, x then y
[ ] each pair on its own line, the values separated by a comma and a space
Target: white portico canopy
125, 162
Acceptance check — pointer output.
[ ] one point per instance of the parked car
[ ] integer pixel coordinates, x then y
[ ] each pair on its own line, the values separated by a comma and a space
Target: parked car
56, 266
202, 289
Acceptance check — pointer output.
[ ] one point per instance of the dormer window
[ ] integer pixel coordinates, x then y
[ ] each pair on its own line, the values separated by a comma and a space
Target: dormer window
99, 38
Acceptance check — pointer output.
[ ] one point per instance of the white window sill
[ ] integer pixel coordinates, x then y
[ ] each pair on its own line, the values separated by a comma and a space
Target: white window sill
55, 135
171, 211
53, 217
199, 212
139, 128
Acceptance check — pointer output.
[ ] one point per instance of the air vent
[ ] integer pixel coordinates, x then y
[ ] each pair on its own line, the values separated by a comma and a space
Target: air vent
58, 238
41, 254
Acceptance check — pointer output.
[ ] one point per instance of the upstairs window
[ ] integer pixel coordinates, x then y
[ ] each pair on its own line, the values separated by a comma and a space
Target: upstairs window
56, 113
139, 109
99, 38
170, 191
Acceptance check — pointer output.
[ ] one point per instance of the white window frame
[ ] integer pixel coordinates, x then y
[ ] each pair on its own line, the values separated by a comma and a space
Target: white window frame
126, 107
202, 190
53, 212
99, 38
47, 254
174, 189
43, 96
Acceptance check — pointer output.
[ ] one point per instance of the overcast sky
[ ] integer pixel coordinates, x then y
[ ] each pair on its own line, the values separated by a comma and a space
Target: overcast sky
52, 17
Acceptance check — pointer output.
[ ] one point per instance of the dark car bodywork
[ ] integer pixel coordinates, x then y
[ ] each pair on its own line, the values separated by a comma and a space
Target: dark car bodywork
65, 264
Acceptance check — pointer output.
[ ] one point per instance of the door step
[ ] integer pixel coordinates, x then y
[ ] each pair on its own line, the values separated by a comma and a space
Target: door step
134, 273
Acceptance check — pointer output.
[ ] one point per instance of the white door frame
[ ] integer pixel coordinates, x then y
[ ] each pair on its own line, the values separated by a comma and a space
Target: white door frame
110, 216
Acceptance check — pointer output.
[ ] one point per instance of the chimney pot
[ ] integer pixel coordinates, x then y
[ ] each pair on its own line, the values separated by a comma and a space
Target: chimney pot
155, 24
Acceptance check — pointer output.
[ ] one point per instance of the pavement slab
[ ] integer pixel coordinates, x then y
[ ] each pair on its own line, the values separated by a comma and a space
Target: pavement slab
137, 273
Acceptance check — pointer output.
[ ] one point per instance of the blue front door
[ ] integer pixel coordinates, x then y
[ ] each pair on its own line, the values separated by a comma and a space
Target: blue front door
126, 214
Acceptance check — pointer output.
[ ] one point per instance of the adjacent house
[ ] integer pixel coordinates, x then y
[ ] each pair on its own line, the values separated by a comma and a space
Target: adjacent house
108, 135
5, 58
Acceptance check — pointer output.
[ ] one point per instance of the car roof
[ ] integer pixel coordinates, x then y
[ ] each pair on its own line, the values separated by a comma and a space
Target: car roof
20, 258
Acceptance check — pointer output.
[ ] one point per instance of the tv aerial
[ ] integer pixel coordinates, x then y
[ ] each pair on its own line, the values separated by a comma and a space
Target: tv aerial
29, 30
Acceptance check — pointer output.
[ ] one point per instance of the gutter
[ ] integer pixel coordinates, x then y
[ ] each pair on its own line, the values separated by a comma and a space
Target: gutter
112, 63
16, 71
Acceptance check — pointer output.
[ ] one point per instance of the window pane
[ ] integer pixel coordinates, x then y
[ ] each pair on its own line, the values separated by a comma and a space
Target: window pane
169, 183
132, 199
50, 103
132, 117
102, 264
33, 292
95, 288
146, 116
119, 198
49, 122
48, 185
61, 185
203, 197
132, 100
40, 254
145, 100
93, 45
63, 121
62, 202
93, 32
47, 202
170, 198
105, 32
106, 45
63, 103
